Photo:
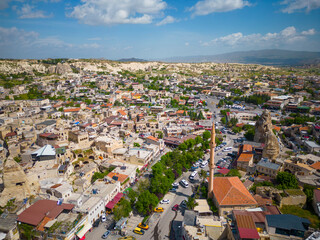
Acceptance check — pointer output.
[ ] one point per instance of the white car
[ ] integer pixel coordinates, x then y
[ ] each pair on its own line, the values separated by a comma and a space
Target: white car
165, 201
175, 184
103, 218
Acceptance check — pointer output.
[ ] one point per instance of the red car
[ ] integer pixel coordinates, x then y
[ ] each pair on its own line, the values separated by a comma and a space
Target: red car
175, 207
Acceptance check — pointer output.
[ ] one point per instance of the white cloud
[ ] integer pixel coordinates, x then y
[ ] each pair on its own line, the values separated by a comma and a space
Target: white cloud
110, 12
206, 7
167, 20
298, 5
309, 32
27, 11
286, 36
14, 36
187, 44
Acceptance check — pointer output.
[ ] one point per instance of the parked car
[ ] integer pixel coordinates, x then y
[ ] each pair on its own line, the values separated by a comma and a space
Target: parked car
183, 204
184, 183
173, 190
175, 207
103, 218
159, 209
127, 238
165, 201
138, 231
143, 226
105, 235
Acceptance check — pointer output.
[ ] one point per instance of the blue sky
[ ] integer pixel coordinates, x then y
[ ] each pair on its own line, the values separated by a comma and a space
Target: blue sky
154, 29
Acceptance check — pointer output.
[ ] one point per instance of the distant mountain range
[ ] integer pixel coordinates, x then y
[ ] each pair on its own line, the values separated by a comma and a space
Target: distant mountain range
265, 57
131, 60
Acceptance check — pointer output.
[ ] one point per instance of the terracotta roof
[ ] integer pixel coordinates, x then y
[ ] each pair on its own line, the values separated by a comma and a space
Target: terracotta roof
153, 138
276, 128
231, 191
123, 113
304, 128
247, 148
72, 110
316, 165
34, 214
245, 157
261, 200
180, 111
121, 177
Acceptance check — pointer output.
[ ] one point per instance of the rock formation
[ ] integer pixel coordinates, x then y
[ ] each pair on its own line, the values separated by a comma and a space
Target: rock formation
16, 183
264, 134
61, 68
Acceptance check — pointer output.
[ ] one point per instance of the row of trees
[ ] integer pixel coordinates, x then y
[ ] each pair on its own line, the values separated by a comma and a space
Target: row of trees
149, 191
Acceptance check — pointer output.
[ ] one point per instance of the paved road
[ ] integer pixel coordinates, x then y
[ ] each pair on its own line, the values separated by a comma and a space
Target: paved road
160, 223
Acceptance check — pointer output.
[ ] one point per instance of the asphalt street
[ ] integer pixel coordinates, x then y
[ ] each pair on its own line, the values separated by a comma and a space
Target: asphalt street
160, 223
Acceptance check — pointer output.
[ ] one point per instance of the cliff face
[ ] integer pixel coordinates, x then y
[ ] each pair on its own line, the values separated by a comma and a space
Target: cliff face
264, 134
60, 68
16, 183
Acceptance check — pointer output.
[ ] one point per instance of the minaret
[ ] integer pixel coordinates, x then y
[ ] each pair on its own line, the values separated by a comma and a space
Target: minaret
211, 164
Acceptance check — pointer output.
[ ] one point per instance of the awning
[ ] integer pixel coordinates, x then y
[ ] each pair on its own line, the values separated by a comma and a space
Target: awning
118, 196
110, 204
83, 231
115, 200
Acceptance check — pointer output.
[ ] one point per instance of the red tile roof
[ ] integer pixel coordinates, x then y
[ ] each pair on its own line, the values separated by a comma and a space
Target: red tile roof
245, 157
72, 110
153, 138
316, 165
231, 191
34, 214
247, 148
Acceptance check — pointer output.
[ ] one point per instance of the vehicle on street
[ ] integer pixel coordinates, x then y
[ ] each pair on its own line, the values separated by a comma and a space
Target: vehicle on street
159, 209
138, 231
143, 226
175, 207
165, 201
173, 190
184, 183
220, 153
103, 218
127, 238
175, 185
193, 175
105, 235
96, 223
183, 204
204, 164
194, 168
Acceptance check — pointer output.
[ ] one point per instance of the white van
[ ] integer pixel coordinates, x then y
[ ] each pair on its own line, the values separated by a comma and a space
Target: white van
204, 164
184, 183
193, 175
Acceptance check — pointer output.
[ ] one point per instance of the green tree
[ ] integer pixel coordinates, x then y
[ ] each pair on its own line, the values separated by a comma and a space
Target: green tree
122, 209
132, 195
223, 120
146, 202
203, 175
233, 173
143, 185
191, 203
250, 134
287, 180
136, 144
206, 135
